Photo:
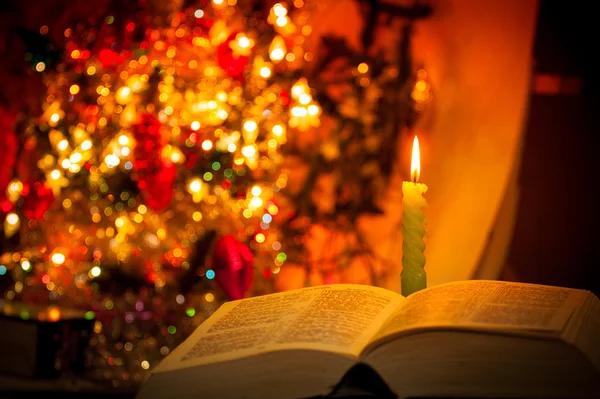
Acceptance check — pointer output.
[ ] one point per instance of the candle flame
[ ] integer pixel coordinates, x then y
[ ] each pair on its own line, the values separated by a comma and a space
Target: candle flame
415, 163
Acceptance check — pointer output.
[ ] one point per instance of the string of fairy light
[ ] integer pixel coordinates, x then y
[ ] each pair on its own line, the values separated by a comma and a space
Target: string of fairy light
201, 107
118, 103
217, 125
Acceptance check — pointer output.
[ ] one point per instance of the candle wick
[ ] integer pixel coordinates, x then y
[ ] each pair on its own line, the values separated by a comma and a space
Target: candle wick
414, 176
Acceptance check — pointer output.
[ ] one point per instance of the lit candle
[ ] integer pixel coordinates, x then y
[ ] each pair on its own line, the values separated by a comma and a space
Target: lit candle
413, 276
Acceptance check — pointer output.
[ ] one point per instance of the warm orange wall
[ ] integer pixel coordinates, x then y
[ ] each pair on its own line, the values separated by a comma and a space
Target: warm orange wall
478, 55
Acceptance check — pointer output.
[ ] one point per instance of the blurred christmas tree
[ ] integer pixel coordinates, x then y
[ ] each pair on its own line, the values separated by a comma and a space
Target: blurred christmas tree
163, 161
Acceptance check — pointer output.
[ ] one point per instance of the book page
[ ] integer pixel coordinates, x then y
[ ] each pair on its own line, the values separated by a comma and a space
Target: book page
336, 318
480, 304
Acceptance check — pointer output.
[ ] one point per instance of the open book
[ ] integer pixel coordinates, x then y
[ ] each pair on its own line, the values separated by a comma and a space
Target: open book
465, 339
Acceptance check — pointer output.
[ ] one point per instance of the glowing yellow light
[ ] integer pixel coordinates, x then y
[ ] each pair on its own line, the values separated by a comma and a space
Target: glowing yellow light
222, 114
112, 160
26, 265
63, 144
249, 151
218, 2
415, 162
363, 68
86, 145
313, 109
277, 49
58, 258
299, 88
265, 72
247, 213
277, 54
299, 111
197, 216
209, 297
142, 209
55, 174
238, 160
195, 125
75, 157
53, 313
74, 89
15, 187
40, 66
260, 238
198, 13
95, 271
65, 163
221, 96
250, 126
145, 365
75, 54
176, 157
55, 117
244, 42
207, 145
279, 10
195, 186
273, 210
123, 94
120, 222
256, 191
305, 98
255, 203
277, 130
12, 218
231, 147
91, 70
281, 21
123, 140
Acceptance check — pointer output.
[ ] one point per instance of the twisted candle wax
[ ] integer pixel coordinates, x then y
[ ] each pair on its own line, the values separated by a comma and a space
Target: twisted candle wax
413, 276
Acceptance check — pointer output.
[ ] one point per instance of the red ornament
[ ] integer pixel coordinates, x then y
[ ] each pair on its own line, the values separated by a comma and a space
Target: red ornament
8, 150
149, 143
232, 264
37, 201
232, 65
284, 97
110, 58
155, 177
157, 187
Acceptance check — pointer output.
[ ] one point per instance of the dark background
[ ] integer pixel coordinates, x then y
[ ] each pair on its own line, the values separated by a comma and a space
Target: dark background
556, 239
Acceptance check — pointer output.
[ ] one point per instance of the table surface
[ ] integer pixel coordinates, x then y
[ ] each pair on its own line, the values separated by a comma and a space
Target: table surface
74, 387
